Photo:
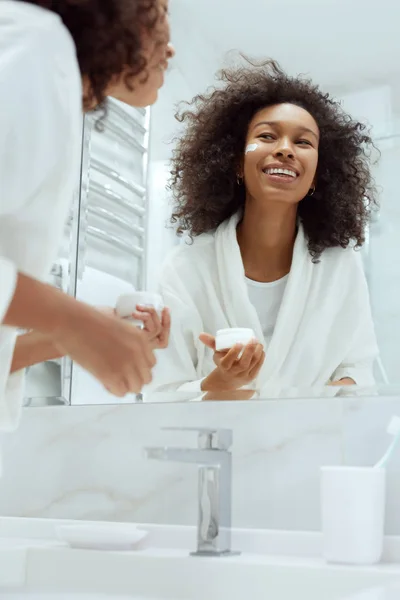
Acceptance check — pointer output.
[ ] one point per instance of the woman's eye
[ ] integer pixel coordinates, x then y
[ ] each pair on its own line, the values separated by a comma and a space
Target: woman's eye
304, 142
267, 136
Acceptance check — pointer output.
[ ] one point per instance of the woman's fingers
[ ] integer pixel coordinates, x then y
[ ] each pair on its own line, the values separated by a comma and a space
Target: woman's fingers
255, 369
158, 328
229, 360
163, 338
151, 321
257, 355
145, 319
244, 362
208, 340
247, 357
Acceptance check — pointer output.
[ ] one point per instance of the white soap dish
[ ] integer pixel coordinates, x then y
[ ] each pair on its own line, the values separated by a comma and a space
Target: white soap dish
107, 536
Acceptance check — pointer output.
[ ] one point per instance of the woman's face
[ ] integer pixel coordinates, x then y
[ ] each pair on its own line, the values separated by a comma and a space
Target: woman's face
157, 51
281, 154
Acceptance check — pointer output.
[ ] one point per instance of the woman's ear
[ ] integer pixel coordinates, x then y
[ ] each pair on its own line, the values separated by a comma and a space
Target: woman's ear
240, 169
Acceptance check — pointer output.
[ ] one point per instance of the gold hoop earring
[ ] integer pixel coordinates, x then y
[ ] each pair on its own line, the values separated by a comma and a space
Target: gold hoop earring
311, 191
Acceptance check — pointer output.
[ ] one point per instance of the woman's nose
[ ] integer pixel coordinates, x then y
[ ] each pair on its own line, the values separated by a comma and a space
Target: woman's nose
284, 152
284, 148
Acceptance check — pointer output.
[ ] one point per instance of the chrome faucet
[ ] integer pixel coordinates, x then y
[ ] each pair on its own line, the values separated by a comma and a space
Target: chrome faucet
215, 486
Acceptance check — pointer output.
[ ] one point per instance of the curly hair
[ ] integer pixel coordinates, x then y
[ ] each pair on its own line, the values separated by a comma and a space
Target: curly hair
205, 160
108, 39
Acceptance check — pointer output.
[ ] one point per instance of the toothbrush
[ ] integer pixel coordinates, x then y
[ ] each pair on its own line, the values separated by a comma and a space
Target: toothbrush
394, 430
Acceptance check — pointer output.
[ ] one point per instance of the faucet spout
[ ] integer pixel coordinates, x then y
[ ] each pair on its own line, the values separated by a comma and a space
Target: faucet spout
214, 462
188, 455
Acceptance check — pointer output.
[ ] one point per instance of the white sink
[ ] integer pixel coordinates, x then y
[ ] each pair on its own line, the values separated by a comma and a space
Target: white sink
150, 575
272, 566
380, 593
52, 596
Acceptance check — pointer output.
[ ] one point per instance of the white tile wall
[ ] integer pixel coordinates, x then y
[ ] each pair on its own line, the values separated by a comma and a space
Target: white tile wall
87, 462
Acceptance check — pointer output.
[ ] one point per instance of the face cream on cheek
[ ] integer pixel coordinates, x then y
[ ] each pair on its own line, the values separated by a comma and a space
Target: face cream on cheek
251, 148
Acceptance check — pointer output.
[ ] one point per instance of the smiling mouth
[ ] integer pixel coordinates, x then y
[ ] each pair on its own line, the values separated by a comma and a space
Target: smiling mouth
281, 173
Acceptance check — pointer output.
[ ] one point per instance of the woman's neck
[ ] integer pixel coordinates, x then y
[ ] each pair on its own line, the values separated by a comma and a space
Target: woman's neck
266, 237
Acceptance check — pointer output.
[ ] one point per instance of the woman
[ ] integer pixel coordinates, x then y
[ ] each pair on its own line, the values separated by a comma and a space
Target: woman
271, 181
56, 58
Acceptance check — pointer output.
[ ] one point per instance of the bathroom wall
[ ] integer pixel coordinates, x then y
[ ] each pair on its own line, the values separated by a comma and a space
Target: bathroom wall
161, 237
376, 107
87, 462
384, 265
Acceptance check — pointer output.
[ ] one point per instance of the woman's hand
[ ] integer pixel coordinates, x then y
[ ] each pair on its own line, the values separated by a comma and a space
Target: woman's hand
118, 355
157, 329
344, 381
236, 367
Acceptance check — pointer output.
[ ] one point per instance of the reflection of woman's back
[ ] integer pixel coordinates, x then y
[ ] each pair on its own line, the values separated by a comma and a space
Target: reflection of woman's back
271, 176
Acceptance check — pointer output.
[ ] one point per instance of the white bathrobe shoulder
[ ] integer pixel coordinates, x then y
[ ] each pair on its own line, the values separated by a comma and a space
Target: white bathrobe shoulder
324, 329
40, 132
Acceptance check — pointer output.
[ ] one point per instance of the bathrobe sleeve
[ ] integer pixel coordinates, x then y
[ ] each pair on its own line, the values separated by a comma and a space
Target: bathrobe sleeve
33, 54
359, 365
8, 279
363, 349
179, 365
30, 111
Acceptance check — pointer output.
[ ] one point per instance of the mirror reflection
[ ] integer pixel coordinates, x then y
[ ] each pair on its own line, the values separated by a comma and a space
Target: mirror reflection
246, 221
271, 181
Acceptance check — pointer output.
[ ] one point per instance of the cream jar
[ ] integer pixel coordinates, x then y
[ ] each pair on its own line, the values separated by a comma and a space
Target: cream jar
227, 338
127, 304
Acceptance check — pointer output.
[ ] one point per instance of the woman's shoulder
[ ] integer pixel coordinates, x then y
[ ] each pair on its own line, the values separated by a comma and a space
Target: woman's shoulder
27, 27
347, 264
349, 255
335, 257
18, 17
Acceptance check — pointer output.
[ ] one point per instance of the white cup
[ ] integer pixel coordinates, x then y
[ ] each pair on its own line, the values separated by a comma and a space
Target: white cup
127, 303
353, 514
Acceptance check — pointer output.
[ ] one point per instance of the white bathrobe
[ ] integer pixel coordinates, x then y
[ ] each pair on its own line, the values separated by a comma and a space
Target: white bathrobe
324, 331
40, 132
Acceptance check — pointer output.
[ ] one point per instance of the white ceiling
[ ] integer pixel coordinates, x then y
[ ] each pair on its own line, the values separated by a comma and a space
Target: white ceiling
344, 45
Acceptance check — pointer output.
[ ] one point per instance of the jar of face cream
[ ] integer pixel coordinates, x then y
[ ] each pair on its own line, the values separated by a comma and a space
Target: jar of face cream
227, 338
127, 303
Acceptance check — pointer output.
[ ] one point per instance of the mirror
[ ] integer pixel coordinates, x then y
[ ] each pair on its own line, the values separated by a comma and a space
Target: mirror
318, 329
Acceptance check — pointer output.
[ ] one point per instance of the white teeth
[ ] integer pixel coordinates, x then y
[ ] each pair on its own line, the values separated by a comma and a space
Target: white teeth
280, 172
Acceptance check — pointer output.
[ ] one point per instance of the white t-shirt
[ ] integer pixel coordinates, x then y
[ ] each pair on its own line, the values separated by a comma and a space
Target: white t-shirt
266, 299
40, 133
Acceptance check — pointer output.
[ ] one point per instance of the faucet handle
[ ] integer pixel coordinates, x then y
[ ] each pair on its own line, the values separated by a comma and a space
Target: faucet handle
210, 438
